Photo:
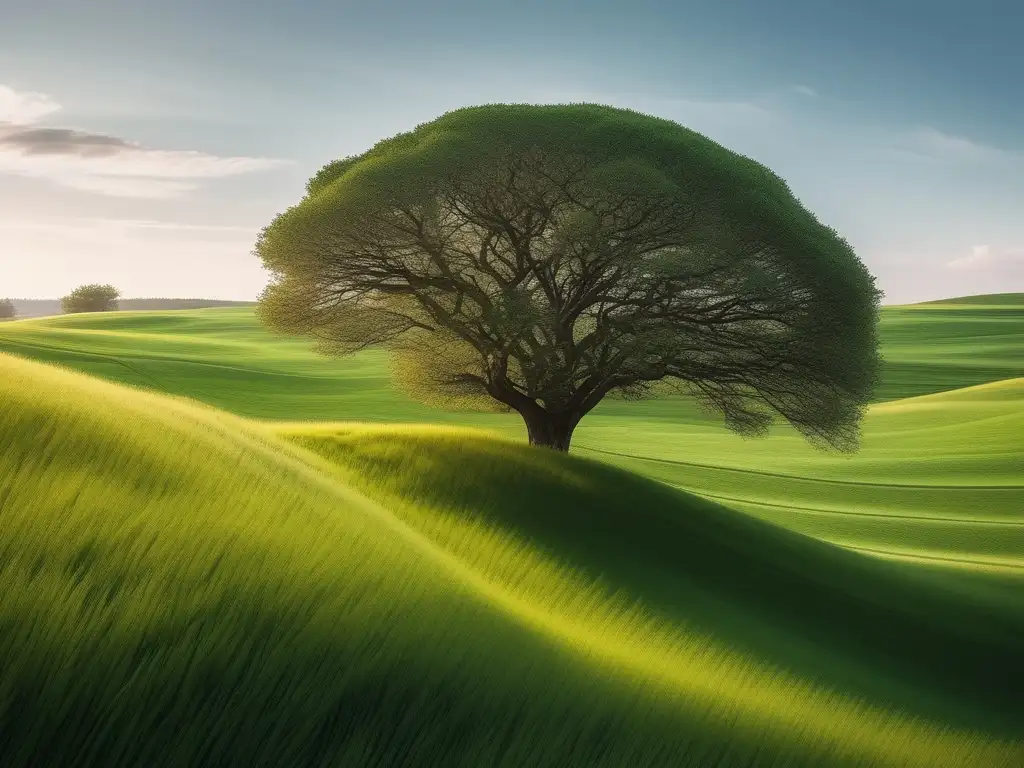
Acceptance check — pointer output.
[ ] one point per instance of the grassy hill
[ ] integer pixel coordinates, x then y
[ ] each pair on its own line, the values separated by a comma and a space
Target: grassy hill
943, 345
311, 595
936, 480
324, 589
988, 299
938, 477
226, 358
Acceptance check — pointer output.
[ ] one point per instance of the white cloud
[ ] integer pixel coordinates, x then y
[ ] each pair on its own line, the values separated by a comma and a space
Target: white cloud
985, 258
107, 230
131, 172
805, 90
934, 144
103, 164
19, 108
979, 257
114, 186
142, 257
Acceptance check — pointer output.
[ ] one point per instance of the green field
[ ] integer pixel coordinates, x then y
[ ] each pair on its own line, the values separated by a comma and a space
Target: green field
277, 580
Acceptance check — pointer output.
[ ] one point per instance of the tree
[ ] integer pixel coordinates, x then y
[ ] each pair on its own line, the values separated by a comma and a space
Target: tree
91, 298
539, 258
7, 309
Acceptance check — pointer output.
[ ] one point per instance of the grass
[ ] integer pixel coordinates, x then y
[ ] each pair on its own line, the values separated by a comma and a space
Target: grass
323, 589
327, 595
948, 344
987, 299
937, 480
938, 477
224, 357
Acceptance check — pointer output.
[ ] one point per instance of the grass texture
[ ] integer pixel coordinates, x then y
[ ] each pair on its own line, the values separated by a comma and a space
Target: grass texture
183, 587
938, 479
281, 579
226, 358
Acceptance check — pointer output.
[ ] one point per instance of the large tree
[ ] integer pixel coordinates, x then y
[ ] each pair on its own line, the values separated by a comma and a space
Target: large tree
7, 309
91, 298
539, 258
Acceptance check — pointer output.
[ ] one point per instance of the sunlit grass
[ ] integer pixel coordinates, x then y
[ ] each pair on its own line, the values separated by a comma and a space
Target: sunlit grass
179, 586
226, 358
182, 587
938, 478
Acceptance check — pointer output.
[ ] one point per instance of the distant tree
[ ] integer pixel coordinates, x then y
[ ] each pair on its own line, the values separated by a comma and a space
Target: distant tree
539, 258
7, 309
91, 298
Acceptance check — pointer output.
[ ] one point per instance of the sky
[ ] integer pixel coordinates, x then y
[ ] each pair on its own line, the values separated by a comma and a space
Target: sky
145, 143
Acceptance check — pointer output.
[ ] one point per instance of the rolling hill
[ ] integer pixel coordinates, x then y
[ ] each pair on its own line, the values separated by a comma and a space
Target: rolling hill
225, 357
943, 345
314, 595
987, 299
247, 556
936, 479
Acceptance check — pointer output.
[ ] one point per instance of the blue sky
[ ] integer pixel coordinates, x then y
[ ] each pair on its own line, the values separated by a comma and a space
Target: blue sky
900, 123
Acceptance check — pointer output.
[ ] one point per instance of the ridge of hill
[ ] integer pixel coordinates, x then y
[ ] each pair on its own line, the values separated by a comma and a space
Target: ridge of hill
937, 479
311, 595
949, 344
29, 308
989, 299
226, 357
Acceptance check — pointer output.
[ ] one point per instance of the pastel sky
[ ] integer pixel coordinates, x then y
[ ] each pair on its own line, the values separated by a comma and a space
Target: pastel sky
145, 142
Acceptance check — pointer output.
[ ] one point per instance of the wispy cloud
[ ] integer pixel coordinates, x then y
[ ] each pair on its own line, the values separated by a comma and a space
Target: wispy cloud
985, 258
89, 226
100, 163
936, 145
142, 257
20, 108
61, 141
805, 90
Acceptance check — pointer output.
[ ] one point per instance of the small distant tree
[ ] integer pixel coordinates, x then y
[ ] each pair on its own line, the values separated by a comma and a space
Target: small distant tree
91, 298
7, 310
540, 258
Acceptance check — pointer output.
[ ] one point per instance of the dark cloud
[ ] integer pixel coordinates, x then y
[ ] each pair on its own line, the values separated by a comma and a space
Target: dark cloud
62, 141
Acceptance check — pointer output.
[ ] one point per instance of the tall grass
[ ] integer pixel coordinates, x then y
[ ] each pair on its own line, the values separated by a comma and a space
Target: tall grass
180, 587
937, 480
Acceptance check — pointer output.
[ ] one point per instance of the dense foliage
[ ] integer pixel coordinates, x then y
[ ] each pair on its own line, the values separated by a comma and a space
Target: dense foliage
7, 310
91, 298
544, 257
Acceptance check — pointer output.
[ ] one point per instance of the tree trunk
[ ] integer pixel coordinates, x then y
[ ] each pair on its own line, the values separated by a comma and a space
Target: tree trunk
550, 430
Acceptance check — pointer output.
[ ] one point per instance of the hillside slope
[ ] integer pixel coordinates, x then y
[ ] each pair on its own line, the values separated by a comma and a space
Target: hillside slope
938, 477
181, 587
949, 344
988, 299
226, 358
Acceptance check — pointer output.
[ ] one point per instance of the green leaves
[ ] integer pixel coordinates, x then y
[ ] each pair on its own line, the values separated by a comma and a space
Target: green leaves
91, 298
506, 229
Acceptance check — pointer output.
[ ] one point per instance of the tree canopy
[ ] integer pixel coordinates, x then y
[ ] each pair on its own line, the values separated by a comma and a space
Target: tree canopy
539, 258
7, 309
91, 298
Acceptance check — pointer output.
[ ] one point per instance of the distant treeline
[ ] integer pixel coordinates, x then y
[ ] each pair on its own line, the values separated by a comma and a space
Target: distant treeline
45, 307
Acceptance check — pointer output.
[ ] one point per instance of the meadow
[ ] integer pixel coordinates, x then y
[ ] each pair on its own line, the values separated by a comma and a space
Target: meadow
218, 548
